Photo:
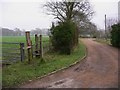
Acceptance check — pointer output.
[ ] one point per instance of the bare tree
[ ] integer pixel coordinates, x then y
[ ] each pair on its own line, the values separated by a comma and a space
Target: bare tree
88, 28
17, 31
70, 11
66, 10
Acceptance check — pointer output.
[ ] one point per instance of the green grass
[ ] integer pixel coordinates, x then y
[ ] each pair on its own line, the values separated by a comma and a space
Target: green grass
21, 39
104, 41
7, 49
18, 73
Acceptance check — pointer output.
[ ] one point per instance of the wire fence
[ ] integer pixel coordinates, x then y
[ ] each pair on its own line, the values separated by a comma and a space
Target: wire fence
46, 45
12, 52
15, 52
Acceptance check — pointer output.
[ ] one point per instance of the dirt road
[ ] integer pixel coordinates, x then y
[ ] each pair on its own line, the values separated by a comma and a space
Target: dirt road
98, 70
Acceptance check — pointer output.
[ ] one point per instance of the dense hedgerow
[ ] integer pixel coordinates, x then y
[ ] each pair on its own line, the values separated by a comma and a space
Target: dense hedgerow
115, 35
63, 37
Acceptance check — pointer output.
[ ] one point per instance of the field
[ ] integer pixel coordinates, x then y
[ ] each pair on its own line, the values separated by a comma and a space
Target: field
12, 51
20, 39
18, 73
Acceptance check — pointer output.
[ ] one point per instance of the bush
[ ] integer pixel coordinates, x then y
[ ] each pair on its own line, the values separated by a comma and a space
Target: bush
63, 37
115, 35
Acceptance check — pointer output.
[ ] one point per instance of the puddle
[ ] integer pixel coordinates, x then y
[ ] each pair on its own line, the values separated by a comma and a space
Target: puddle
61, 83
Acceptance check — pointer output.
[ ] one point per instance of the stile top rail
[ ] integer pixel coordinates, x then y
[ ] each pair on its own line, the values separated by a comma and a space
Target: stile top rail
10, 42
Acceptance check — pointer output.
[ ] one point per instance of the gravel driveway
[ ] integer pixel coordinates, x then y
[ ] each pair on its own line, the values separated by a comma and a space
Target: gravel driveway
98, 70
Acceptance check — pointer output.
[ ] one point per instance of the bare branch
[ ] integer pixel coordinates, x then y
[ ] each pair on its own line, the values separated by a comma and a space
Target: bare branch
66, 10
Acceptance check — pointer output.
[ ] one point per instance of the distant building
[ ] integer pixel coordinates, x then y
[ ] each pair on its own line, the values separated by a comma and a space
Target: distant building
119, 11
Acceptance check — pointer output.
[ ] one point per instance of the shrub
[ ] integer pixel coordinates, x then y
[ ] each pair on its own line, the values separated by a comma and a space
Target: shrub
115, 35
63, 37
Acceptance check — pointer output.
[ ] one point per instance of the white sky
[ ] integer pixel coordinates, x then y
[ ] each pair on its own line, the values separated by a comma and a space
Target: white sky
102, 7
29, 14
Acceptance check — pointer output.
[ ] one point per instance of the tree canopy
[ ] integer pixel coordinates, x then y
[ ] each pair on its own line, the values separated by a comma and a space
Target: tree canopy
70, 15
66, 10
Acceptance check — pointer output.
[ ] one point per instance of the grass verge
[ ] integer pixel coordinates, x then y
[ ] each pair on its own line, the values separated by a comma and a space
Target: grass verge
18, 73
104, 41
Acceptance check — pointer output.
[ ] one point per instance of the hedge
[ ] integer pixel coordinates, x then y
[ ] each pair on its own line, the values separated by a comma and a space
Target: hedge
115, 35
63, 37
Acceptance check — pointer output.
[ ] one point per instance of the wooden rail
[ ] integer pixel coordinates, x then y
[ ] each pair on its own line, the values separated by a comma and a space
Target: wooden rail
13, 51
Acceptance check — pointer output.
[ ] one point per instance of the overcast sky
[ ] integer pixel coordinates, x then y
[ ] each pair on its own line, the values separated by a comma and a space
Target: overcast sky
29, 14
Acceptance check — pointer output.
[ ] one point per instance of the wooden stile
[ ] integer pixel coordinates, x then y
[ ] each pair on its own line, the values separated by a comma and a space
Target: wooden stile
41, 49
29, 46
22, 52
36, 46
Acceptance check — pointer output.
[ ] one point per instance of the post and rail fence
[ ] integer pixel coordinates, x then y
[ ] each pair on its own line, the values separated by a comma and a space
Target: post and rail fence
14, 52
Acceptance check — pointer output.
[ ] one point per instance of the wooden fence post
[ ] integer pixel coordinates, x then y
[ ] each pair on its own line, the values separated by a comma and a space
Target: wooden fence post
36, 46
32, 49
29, 46
50, 43
41, 49
22, 52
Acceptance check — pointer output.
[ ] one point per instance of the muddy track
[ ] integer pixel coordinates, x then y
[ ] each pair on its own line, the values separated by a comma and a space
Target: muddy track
98, 70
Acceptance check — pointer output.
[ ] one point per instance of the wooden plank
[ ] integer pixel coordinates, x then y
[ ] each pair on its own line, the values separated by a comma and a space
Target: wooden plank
36, 42
50, 42
9, 43
36, 46
28, 41
22, 53
28, 38
31, 49
41, 49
